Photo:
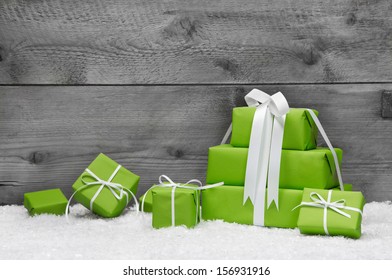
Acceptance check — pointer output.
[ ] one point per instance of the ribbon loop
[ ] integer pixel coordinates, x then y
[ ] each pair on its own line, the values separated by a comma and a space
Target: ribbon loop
278, 105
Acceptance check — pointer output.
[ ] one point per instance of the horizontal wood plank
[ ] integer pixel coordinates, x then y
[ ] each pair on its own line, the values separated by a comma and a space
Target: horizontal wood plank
195, 41
49, 134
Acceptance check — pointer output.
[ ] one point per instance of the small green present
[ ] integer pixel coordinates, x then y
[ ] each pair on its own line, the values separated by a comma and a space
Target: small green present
105, 187
298, 169
146, 205
184, 211
45, 202
300, 131
330, 212
226, 203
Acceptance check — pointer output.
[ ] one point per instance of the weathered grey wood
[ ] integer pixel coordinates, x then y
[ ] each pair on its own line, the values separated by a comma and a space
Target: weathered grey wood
386, 104
49, 134
194, 41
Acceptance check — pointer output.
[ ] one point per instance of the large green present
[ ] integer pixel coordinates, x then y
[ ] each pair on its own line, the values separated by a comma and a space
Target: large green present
300, 131
105, 187
329, 212
298, 169
184, 211
226, 203
45, 202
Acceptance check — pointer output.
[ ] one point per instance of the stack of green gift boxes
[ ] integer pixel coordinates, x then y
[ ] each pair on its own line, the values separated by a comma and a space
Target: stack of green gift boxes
303, 165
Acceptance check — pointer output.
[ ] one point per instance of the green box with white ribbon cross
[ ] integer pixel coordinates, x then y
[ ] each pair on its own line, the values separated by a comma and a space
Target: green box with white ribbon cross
328, 212
175, 207
105, 187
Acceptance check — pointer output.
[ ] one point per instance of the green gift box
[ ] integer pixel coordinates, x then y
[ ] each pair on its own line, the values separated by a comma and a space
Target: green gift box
226, 203
298, 169
300, 131
147, 205
105, 204
314, 218
45, 202
186, 207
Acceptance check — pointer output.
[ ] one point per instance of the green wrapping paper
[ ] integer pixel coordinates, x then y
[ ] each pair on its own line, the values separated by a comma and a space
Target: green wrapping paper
106, 204
186, 207
298, 169
226, 203
300, 131
45, 202
147, 202
311, 219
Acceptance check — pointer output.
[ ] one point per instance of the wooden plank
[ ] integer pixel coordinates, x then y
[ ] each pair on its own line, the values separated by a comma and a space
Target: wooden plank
194, 41
49, 134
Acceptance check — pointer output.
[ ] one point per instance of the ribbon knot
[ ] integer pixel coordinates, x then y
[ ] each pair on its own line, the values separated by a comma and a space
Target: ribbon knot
335, 205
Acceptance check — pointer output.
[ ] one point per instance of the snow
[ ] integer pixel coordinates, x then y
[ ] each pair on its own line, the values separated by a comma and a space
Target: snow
131, 236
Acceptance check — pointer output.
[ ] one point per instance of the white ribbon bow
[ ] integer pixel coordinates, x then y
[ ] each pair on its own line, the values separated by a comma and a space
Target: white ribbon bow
320, 202
265, 149
165, 181
113, 187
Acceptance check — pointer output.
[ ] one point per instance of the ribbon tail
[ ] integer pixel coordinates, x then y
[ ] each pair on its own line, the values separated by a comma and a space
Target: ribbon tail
274, 161
262, 170
252, 165
326, 139
227, 135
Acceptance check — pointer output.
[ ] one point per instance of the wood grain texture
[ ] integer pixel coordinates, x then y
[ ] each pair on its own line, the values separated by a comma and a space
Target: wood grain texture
49, 134
195, 41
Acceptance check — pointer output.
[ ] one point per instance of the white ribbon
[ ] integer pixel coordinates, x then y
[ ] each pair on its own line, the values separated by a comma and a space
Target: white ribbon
320, 202
166, 182
113, 187
326, 139
265, 149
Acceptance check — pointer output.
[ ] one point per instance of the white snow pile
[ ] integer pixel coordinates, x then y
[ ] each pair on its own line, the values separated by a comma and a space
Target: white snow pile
131, 236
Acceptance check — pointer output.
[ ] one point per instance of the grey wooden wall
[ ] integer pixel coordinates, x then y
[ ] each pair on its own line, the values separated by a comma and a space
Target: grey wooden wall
152, 83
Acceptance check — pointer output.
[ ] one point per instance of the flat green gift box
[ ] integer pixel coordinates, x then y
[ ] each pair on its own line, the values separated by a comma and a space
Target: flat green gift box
186, 207
300, 131
106, 204
310, 220
298, 169
226, 203
45, 202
